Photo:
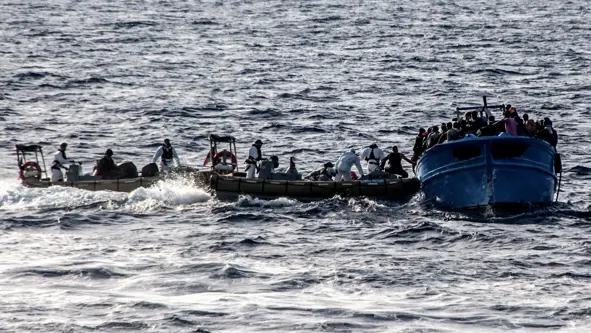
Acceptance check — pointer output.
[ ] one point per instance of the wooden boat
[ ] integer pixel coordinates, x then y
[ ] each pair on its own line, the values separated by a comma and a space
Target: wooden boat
490, 171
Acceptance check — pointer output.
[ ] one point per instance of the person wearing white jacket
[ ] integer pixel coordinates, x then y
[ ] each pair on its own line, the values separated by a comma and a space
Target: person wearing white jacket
372, 155
166, 153
59, 162
345, 163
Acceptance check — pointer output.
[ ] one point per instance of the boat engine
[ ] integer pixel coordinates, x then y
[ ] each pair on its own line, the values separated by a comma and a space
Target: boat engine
74, 172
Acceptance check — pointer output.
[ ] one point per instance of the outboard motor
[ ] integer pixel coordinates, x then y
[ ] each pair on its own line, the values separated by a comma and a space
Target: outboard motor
74, 172
150, 170
127, 170
266, 169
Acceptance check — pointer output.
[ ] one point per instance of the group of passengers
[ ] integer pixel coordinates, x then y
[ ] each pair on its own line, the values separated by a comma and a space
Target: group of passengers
474, 125
106, 167
374, 156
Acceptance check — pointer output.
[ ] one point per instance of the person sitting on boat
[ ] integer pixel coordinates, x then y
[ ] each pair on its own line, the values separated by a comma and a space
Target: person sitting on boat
323, 174
106, 167
394, 160
254, 157
166, 153
372, 155
60, 160
345, 163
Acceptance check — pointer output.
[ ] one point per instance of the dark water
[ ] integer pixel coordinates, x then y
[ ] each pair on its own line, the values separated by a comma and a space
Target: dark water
311, 79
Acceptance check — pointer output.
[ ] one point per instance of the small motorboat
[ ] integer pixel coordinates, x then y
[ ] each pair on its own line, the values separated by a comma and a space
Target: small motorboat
490, 171
226, 181
33, 173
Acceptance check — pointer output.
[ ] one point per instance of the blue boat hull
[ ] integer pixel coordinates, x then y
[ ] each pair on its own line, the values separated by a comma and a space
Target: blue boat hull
489, 171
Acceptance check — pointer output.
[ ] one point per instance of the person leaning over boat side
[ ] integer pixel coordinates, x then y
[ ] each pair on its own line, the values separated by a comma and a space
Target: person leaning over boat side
106, 167
255, 155
323, 174
394, 160
345, 163
166, 153
372, 155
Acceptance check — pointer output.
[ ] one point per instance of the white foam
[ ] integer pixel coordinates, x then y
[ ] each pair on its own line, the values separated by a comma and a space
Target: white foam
279, 202
15, 197
178, 192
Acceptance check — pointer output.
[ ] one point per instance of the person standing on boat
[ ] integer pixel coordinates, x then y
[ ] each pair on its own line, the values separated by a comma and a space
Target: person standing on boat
166, 153
417, 149
510, 123
372, 155
394, 160
255, 155
345, 163
60, 160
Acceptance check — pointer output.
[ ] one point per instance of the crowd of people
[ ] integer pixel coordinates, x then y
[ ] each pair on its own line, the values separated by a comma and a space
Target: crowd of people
474, 125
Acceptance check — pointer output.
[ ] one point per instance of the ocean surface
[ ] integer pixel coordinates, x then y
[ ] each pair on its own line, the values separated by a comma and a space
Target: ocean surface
311, 79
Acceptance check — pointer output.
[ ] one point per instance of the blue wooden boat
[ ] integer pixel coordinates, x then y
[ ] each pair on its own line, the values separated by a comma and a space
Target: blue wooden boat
493, 171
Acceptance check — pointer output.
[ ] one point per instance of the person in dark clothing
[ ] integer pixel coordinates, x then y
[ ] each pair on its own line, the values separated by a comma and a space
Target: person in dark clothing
476, 123
433, 138
525, 118
394, 160
106, 167
521, 131
417, 149
463, 128
326, 173
426, 138
453, 133
548, 133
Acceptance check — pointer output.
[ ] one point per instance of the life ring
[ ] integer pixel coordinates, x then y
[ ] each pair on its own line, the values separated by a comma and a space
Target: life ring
30, 164
219, 157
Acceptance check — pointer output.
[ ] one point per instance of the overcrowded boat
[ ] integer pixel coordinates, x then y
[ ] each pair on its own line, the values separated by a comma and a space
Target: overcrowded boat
478, 162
